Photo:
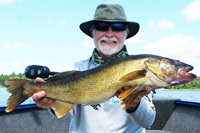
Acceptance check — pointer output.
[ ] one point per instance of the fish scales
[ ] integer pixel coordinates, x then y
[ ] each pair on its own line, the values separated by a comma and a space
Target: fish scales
99, 84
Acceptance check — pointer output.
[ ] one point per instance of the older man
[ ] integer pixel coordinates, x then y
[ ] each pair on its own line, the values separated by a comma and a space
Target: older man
109, 30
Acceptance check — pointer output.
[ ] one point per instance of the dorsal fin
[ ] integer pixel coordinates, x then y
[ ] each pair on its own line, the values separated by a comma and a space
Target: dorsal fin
61, 75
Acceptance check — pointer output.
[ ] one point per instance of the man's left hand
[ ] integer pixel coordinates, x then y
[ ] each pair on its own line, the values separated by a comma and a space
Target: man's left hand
134, 106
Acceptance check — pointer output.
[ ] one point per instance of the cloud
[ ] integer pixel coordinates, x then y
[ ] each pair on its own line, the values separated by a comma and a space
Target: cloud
173, 45
88, 42
15, 64
10, 66
63, 21
9, 1
162, 24
177, 46
9, 46
192, 11
6, 46
133, 40
14, 45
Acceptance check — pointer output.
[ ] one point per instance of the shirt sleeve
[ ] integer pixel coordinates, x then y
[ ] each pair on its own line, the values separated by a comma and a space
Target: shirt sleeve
145, 114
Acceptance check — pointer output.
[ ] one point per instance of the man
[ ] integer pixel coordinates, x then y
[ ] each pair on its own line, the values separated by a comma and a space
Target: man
109, 30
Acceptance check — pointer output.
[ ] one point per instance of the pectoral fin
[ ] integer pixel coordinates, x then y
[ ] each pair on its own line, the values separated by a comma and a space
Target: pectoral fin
61, 108
129, 100
124, 94
133, 75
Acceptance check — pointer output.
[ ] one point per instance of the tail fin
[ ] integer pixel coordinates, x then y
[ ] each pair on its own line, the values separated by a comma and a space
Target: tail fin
19, 93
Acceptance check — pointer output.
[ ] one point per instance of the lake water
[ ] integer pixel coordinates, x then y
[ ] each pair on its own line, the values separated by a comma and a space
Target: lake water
4, 95
185, 95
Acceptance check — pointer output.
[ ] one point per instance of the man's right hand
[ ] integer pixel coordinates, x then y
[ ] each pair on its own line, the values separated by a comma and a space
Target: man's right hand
40, 99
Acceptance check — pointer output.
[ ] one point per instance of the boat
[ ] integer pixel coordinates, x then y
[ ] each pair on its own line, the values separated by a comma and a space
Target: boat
172, 116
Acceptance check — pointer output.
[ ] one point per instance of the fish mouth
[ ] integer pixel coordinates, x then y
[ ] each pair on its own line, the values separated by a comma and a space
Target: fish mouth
186, 71
184, 76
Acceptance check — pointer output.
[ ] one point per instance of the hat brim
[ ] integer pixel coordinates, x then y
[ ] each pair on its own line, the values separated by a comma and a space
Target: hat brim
133, 26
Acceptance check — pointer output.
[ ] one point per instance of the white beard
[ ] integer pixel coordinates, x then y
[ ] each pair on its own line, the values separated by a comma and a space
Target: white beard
106, 49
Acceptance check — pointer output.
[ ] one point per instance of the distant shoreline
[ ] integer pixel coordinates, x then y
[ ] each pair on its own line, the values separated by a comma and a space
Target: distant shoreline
179, 89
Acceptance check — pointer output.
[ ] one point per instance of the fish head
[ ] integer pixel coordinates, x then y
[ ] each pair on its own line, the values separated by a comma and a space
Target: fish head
172, 72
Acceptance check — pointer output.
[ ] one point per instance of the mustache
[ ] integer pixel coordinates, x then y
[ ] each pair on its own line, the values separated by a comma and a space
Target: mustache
109, 40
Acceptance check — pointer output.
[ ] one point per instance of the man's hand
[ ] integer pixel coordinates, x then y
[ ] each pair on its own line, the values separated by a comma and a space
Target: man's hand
40, 99
134, 106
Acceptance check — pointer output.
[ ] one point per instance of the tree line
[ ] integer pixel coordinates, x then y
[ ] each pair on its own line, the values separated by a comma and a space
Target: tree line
4, 78
195, 84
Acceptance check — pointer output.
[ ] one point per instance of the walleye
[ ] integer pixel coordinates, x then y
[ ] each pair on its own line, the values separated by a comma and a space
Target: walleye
99, 84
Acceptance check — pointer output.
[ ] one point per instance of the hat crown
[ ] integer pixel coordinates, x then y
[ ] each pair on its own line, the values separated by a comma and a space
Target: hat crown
110, 12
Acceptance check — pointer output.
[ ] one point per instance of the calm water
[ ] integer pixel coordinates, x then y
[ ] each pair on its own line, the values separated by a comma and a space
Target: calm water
185, 95
4, 95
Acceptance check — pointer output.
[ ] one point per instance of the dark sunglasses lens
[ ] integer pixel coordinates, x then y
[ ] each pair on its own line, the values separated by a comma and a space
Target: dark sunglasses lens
118, 27
101, 26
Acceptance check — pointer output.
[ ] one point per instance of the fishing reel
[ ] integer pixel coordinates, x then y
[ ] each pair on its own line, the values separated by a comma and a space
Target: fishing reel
35, 71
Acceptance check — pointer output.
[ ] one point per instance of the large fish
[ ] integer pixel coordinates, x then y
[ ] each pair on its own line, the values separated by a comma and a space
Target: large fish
101, 83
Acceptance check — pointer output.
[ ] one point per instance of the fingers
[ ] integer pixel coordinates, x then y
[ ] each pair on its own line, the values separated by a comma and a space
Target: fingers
38, 96
39, 80
136, 101
121, 90
42, 101
140, 95
147, 89
45, 103
135, 104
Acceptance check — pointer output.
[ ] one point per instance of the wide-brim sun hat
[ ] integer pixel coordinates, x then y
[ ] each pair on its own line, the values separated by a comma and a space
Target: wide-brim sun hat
110, 13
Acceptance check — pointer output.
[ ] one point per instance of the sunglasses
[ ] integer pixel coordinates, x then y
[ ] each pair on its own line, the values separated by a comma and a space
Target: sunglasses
114, 26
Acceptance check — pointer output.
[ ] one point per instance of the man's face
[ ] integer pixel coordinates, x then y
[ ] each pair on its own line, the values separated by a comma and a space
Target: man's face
109, 42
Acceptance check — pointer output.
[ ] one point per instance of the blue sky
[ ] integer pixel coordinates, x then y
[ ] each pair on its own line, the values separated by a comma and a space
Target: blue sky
47, 32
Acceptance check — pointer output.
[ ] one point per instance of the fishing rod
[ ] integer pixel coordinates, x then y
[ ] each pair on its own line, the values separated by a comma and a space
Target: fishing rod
34, 71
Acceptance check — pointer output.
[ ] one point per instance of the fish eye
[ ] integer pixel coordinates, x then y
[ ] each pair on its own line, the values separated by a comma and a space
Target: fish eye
177, 62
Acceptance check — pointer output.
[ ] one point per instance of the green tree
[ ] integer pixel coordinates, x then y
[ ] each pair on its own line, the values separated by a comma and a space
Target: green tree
4, 78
